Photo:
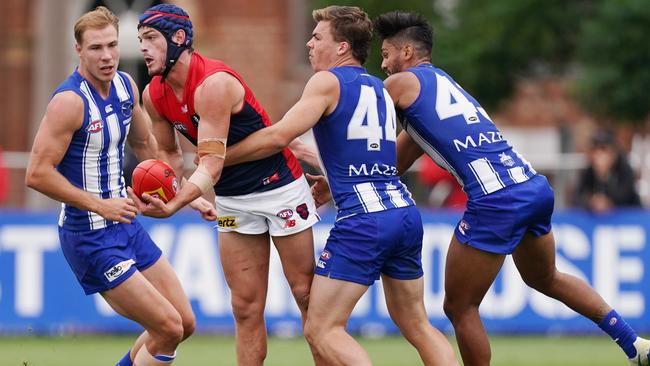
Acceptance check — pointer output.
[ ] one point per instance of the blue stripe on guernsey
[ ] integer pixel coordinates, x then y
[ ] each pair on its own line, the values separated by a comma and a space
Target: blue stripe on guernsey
94, 159
356, 144
458, 134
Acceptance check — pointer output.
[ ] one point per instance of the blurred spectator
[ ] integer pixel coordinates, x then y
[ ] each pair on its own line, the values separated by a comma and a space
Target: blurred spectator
4, 177
608, 182
445, 191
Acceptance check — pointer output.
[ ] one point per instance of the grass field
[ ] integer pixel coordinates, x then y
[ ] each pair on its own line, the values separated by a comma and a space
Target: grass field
205, 350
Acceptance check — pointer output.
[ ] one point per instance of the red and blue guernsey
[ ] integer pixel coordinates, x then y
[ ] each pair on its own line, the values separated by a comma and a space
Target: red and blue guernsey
458, 134
93, 161
356, 143
255, 176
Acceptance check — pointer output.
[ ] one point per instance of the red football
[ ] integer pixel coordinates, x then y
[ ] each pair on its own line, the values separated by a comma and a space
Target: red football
155, 178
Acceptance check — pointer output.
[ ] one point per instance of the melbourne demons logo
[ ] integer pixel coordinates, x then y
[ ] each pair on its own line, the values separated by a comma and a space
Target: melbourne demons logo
95, 126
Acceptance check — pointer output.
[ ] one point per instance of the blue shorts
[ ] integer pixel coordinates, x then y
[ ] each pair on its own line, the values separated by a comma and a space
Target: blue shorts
102, 259
362, 246
497, 222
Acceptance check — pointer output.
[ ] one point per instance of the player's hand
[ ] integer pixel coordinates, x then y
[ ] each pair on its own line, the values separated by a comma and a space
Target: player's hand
121, 209
151, 206
320, 190
207, 210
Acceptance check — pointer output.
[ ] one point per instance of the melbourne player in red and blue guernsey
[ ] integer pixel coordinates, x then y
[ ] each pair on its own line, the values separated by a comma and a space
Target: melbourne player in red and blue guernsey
211, 105
77, 158
378, 229
509, 205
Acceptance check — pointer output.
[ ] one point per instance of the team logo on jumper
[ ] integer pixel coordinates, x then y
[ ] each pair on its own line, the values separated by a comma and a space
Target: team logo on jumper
119, 269
463, 227
127, 109
506, 159
229, 222
179, 126
303, 211
285, 214
325, 255
95, 126
270, 179
195, 120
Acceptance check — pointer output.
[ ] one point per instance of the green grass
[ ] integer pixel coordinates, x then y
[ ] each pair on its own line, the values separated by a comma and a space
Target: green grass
205, 350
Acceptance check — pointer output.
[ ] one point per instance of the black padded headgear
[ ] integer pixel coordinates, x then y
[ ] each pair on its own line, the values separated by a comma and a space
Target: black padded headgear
167, 19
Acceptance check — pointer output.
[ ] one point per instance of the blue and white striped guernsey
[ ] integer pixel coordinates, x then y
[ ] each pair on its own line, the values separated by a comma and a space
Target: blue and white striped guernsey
95, 155
356, 143
452, 128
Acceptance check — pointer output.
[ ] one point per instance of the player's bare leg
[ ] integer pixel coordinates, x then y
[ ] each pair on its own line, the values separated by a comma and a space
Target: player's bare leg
535, 260
404, 299
162, 276
330, 304
137, 299
468, 275
245, 261
297, 256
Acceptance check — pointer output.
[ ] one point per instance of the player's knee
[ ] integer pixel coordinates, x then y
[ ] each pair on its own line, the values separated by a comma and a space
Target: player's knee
170, 329
541, 283
313, 331
245, 310
189, 325
301, 295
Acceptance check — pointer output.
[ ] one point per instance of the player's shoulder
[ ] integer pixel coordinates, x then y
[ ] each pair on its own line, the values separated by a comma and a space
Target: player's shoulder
323, 81
400, 80
66, 107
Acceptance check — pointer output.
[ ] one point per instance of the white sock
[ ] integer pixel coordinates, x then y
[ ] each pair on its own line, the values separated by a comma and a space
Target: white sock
144, 358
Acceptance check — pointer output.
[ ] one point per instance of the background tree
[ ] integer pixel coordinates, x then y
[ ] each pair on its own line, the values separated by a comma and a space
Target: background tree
613, 55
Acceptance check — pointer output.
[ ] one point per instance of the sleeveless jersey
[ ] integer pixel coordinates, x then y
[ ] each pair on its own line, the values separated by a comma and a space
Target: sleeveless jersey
94, 159
255, 176
458, 134
356, 143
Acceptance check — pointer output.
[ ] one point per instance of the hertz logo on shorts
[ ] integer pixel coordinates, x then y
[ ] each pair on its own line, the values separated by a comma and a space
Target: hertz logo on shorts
227, 222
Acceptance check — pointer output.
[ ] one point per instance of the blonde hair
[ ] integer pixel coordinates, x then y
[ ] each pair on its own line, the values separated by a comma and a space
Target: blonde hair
350, 24
98, 18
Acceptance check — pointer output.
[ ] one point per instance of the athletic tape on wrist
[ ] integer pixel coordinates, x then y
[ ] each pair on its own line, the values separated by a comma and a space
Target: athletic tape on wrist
202, 179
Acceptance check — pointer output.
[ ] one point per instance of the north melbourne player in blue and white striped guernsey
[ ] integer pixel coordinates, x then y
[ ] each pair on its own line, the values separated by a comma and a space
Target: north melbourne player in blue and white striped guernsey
509, 207
378, 231
77, 158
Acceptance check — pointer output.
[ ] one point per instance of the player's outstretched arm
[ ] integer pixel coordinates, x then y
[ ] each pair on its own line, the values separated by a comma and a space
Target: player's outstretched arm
319, 97
141, 138
305, 152
211, 146
64, 115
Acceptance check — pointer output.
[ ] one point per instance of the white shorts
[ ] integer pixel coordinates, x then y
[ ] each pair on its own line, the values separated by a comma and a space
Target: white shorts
282, 211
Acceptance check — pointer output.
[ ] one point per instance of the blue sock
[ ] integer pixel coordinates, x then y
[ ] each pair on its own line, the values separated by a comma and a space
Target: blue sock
165, 358
126, 360
621, 332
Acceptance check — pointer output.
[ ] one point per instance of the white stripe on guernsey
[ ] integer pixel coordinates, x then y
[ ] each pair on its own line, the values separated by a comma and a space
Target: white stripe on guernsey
91, 158
517, 174
368, 197
529, 165
433, 153
62, 214
113, 158
486, 176
120, 88
395, 196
